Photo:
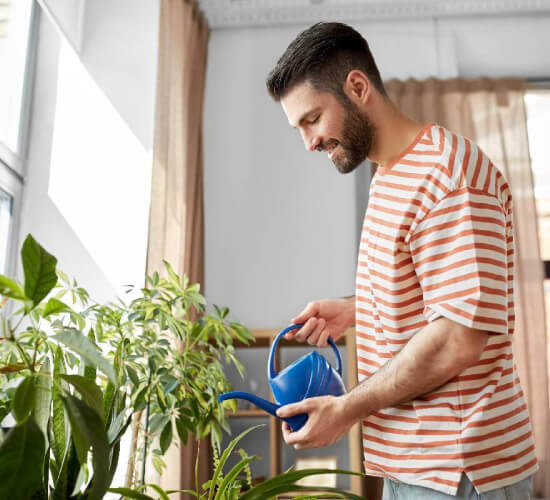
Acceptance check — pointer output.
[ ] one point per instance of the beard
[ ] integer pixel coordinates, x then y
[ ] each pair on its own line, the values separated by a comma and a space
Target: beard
357, 138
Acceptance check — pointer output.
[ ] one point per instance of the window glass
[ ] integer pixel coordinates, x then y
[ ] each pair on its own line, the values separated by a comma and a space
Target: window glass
6, 204
538, 125
15, 17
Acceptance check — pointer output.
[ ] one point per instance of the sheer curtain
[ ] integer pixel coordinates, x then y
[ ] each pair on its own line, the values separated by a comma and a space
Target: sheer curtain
491, 112
176, 224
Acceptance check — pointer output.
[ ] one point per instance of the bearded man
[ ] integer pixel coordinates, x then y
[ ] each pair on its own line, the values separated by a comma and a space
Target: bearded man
439, 398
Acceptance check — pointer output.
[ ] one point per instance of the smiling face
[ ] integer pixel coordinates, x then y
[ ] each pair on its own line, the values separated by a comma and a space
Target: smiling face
330, 124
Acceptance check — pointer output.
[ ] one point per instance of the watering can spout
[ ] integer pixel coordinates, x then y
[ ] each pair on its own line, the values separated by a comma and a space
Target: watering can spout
262, 403
295, 422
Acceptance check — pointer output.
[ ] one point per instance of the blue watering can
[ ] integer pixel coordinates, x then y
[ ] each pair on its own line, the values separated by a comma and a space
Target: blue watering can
310, 376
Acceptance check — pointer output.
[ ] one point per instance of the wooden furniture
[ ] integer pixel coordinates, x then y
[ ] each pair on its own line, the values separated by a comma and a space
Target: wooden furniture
264, 339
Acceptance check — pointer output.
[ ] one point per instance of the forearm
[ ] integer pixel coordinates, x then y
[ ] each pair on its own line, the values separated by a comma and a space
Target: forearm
436, 354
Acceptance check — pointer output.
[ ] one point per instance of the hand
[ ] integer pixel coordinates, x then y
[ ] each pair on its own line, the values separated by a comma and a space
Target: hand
327, 422
324, 318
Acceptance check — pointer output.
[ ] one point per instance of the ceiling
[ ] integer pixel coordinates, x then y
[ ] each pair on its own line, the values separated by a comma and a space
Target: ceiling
241, 13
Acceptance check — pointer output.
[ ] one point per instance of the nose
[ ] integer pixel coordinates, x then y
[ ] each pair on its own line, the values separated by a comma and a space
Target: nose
311, 142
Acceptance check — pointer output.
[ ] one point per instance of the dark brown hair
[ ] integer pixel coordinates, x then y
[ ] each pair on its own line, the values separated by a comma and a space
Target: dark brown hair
323, 55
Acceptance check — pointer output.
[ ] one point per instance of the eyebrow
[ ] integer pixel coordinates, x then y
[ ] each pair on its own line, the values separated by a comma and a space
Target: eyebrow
306, 114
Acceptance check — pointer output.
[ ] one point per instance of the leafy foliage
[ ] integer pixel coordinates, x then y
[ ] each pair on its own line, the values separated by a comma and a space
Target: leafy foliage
228, 485
74, 374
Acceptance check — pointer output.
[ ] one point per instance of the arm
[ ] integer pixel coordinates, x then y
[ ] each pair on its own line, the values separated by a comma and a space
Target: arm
439, 352
436, 354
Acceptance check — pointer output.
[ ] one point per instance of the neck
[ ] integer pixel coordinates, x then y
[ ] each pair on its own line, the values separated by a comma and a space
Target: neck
394, 132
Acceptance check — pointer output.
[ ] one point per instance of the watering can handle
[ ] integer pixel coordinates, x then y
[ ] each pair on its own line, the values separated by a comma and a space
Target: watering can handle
271, 362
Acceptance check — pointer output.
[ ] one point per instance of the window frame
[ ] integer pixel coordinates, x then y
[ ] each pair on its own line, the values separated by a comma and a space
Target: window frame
12, 184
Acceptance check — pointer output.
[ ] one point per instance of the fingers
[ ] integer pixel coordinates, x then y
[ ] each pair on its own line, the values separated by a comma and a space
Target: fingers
315, 334
312, 309
293, 409
323, 338
287, 431
300, 439
297, 439
309, 327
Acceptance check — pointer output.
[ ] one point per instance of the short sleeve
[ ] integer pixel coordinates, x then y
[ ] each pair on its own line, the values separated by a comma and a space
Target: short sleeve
459, 252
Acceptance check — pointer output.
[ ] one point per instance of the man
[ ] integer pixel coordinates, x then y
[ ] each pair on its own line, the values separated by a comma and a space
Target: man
439, 400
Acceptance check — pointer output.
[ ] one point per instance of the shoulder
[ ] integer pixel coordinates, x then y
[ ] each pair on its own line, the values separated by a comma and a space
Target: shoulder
467, 167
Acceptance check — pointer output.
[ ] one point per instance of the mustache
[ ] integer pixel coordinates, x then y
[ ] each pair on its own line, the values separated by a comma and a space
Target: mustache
330, 144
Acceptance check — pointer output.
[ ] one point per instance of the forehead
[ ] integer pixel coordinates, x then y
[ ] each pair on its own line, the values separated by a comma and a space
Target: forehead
302, 99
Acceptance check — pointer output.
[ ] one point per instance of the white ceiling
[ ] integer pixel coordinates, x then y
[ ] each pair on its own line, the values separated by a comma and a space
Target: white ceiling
240, 13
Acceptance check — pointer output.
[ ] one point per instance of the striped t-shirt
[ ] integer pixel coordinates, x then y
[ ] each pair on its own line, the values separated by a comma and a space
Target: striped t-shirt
437, 241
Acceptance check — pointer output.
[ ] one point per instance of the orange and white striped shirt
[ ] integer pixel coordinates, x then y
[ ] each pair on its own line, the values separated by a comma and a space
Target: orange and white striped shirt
437, 241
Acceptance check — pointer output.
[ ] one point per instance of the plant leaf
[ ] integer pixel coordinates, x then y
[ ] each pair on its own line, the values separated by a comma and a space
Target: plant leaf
54, 306
60, 477
87, 350
165, 437
91, 426
43, 398
225, 455
189, 492
229, 479
23, 399
127, 492
181, 429
79, 481
171, 273
88, 389
158, 421
11, 289
69, 474
116, 426
59, 429
286, 482
39, 268
21, 461
79, 438
160, 491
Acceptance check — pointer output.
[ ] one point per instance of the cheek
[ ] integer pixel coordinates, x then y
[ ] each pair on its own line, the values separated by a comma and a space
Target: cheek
334, 128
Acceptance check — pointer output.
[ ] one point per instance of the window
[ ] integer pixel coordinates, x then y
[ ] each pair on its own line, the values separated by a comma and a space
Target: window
16, 27
537, 102
15, 24
6, 211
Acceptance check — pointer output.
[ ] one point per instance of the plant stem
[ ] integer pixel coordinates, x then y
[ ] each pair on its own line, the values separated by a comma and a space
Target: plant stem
197, 467
146, 431
11, 338
133, 450
24, 355
36, 342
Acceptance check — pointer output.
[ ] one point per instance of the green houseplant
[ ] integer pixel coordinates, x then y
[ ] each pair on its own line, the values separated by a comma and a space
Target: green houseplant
228, 486
73, 376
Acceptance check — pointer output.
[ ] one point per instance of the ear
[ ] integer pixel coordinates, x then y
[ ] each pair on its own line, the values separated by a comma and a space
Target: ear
357, 87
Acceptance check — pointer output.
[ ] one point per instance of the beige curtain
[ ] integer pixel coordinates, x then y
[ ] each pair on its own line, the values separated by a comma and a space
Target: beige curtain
492, 114
176, 225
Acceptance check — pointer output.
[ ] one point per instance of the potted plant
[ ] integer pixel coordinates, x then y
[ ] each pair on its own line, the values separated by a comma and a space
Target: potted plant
74, 375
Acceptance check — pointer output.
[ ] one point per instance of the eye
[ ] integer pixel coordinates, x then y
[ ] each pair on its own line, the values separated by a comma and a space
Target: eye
315, 120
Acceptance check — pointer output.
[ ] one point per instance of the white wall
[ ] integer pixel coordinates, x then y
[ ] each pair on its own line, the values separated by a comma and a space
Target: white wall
68, 16
86, 194
281, 223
